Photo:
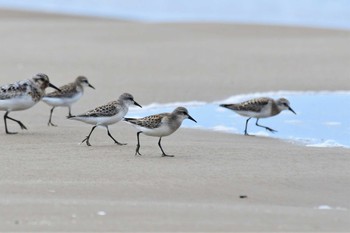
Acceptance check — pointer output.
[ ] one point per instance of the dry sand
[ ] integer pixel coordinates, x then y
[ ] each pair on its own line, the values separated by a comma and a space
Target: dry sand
51, 183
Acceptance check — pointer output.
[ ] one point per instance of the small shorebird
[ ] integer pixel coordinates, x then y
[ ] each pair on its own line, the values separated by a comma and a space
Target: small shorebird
22, 95
159, 125
69, 94
260, 108
107, 114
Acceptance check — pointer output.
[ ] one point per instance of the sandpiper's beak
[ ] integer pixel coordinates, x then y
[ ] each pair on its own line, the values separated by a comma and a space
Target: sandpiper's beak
290, 109
137, 104
54, 87
91, 86
191, 118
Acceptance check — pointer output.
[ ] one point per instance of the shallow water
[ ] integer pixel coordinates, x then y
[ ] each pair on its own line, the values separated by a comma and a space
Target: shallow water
321, 120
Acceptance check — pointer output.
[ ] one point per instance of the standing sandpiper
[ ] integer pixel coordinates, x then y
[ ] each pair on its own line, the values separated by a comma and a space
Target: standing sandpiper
107, 114
159, 125
260, 108
69, 94
23, 95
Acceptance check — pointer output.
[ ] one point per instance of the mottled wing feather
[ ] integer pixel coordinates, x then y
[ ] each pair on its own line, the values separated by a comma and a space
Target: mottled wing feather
16, 89
253, 105
150, 122
67, 90
107, 110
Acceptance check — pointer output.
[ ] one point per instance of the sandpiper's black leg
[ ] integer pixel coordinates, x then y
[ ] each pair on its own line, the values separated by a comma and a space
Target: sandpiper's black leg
69, 111
7, 117
138, 143
267, 128
88, 137
110, 135
50, 122
246, 125
160, 146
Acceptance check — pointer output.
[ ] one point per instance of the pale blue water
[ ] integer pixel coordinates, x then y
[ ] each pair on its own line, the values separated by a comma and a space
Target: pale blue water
312, 13
320, 121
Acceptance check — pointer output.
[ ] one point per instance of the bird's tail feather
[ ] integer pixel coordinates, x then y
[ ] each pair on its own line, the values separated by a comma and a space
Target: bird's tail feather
224, 105
128, 119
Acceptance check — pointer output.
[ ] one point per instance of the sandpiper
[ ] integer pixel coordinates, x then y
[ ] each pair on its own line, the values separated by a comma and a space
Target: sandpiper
23, 95
159, 125
107, 114
262, 107
69, 94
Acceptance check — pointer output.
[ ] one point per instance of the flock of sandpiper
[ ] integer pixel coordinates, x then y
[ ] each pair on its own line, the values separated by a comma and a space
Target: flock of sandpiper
24, 94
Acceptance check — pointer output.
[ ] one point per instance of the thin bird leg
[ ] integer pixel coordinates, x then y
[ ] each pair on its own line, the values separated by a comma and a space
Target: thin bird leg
246, 125
110, 135
88, 137
69, 111
7, 117
160, 146
267, 128
50, 122
138, 143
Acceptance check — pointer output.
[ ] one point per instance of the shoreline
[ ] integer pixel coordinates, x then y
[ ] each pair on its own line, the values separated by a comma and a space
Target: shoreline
220, 122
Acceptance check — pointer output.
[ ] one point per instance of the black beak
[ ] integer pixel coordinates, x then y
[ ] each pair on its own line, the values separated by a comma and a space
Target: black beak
91, 86
191, 118
290, 109
137, 104
54, 87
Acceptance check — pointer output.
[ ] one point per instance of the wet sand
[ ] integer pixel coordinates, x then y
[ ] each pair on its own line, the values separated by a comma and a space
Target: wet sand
49, 182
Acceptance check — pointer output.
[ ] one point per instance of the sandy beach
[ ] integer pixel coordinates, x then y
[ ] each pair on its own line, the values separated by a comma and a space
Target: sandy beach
49, 182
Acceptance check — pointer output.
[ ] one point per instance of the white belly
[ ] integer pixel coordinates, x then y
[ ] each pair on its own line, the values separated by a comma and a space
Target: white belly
55, 101
265, 112
162, 131
17, 103
100, 120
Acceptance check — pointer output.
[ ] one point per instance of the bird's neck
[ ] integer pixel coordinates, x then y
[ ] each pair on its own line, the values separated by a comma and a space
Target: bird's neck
275, 109
177, 121
37, 93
